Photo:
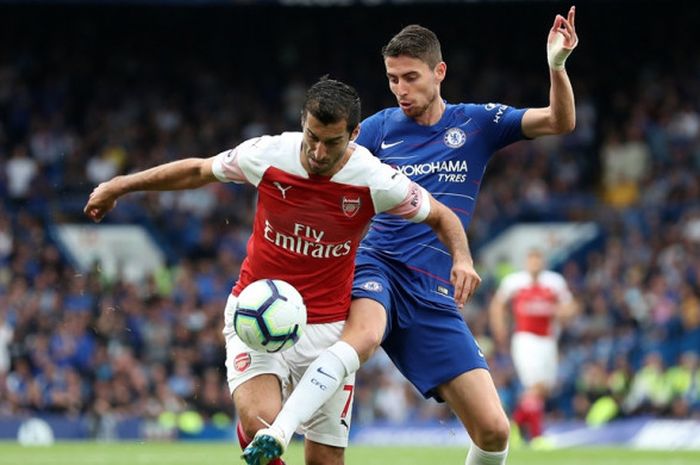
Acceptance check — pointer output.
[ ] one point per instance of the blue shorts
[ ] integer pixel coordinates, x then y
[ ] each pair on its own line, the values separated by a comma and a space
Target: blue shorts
428, 342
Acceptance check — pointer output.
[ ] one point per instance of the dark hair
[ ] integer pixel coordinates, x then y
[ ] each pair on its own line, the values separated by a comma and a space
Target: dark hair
331, 101
417, 42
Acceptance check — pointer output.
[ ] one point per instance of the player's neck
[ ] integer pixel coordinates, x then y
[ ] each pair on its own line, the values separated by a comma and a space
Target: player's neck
433, 113
339, 166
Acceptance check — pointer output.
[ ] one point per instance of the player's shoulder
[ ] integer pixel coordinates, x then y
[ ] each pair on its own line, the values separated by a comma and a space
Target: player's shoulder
553, 277
387, 116
363, 169
363, 162
519, 278
386, 113
483, 110
281, 151
271, 148
272, 143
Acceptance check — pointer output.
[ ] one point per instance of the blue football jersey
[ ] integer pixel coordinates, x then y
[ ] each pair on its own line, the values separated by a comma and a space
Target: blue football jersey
448, 159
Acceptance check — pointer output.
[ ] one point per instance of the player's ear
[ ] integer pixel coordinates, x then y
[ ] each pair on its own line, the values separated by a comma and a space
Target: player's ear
440, 71
355, 132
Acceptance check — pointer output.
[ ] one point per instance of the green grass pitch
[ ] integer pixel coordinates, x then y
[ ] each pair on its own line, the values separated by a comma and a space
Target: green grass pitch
216, 453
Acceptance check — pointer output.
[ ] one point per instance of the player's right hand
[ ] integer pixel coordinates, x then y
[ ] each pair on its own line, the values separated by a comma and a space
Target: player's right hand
101, 200
465, 280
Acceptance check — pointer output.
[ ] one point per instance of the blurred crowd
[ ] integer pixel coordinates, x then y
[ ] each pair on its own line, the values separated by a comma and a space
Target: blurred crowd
79, 110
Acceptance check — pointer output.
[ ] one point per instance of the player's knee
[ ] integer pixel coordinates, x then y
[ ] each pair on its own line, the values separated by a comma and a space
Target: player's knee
372, 339
365, 340
250, 419
493, 435
365, 326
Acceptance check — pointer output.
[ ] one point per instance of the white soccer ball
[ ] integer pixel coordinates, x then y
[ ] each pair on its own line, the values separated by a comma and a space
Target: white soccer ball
270, 315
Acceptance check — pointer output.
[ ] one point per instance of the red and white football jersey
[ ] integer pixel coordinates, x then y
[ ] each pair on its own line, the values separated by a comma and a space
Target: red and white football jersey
307, 227
535, 303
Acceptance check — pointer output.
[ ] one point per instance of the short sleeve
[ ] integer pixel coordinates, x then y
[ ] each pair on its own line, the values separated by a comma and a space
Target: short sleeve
245, 163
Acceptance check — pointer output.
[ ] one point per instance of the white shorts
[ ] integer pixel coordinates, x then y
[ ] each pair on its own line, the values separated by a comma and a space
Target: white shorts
535, 359
331, 424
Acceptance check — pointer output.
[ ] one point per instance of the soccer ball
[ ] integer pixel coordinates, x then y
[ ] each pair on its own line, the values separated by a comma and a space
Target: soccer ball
270, 315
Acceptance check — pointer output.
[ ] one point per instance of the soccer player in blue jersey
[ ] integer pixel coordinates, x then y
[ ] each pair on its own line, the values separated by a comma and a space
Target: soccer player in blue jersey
402, 292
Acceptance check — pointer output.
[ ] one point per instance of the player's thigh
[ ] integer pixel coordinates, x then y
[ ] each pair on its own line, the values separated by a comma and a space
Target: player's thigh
372, 301
322, 454
474, 399
535, 359
436, 346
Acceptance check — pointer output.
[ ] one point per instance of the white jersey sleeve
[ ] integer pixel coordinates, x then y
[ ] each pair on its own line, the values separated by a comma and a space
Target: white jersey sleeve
245, 163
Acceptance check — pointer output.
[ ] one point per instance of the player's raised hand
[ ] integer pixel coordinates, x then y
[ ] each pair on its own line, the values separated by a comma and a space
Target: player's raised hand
562, 39
465, 280
101, 200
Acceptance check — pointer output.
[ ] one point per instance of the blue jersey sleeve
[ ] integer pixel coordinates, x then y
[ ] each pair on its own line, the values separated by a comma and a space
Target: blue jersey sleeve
502, 124
370, 132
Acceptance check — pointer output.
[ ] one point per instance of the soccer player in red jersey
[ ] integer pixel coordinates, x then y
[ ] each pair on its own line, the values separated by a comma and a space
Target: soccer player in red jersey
540, 299
317, 192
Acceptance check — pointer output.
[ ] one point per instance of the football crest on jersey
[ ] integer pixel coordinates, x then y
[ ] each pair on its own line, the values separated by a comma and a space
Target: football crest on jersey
454, 138
351, 206
242, 361
372, 286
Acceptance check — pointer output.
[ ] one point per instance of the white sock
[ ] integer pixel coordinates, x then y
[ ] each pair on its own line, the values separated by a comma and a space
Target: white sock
478, 456
320, 381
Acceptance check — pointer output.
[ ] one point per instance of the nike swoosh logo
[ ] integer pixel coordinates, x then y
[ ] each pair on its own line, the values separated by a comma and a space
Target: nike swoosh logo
385, 146
320, 370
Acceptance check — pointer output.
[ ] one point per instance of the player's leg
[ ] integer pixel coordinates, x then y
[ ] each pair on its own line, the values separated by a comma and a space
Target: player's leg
257, 400
328, 429
254, 379
535, 361
474, 399
435, 350
365, 327
319, 364
360, 337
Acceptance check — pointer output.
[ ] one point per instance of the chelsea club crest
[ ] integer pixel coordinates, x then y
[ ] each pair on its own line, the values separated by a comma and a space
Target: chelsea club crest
454, 138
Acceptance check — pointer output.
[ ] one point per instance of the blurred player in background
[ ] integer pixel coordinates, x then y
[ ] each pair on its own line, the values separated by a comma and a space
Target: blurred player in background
540, 299
317, 192
402, 283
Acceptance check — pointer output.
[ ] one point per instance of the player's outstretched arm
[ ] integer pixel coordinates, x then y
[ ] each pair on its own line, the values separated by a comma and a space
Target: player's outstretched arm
182, 174
560, 116
451, 233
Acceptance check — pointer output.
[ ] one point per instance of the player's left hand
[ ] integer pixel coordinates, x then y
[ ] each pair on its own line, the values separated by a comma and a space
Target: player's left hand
562, 39
465, 279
